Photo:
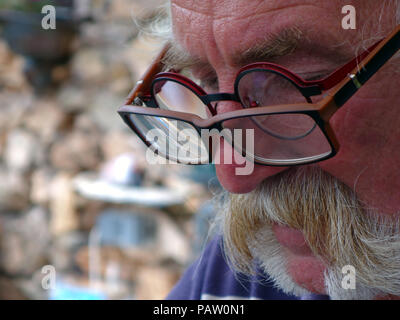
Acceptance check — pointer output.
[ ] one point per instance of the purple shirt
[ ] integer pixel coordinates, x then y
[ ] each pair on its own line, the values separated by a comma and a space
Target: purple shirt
210, 277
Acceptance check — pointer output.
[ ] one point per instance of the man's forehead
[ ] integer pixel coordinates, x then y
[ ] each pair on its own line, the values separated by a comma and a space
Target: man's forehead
240, 30
268, 49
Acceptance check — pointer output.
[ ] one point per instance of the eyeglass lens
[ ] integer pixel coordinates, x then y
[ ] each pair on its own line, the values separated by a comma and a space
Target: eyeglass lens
278, 138
269, 148
176, 139
175, 96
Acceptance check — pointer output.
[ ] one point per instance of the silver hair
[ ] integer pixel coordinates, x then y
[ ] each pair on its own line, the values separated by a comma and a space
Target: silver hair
160, 26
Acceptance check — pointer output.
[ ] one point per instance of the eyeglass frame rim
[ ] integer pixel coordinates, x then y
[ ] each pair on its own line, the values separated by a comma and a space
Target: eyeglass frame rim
143, 87
306, 88
206, 98
323, 110
216, 123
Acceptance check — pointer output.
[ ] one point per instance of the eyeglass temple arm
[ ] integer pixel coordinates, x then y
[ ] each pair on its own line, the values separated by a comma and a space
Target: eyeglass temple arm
371, 64
143, 85
338, 75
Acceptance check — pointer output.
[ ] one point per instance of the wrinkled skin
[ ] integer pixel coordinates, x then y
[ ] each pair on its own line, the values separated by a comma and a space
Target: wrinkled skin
367, 127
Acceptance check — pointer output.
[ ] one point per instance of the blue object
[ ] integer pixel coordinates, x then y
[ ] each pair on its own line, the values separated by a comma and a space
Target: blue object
65, 291
125, 229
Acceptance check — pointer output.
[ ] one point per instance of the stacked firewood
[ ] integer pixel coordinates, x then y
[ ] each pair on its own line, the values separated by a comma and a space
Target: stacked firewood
48, 139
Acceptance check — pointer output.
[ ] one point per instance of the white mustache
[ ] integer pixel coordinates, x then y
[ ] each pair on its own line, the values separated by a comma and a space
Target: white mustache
337, 228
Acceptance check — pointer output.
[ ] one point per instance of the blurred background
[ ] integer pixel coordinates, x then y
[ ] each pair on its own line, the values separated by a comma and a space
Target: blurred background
82, 214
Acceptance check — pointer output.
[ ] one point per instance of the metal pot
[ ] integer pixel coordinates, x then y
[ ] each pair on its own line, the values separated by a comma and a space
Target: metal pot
43, 49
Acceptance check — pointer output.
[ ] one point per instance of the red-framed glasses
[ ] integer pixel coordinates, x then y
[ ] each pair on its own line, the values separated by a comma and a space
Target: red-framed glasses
290, 126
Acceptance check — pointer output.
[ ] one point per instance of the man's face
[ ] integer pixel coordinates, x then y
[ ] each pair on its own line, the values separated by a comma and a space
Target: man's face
368, 127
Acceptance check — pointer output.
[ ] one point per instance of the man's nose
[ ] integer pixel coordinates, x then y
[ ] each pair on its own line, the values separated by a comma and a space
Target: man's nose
227, 106
228, 174
229, 162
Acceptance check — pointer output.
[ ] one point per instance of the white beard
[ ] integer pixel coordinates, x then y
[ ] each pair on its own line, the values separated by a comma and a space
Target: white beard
272, 259
335, 225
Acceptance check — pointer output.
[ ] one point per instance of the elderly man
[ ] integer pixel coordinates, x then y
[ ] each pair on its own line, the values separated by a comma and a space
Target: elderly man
320, 212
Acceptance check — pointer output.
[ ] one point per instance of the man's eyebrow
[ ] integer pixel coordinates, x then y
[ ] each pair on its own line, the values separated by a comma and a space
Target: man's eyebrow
177, 58
273, 46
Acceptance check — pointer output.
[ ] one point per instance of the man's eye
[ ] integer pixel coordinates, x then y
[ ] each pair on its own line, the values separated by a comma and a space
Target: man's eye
316, 76
313, 78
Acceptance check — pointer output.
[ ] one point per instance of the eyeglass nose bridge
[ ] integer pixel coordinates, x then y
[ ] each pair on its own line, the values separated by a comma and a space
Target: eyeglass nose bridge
219, 97
207, 99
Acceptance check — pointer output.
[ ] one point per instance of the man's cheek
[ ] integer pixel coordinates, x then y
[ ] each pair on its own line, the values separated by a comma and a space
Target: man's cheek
363, 123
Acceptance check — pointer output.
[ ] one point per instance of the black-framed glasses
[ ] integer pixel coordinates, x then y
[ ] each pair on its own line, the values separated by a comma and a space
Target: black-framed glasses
288, 128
